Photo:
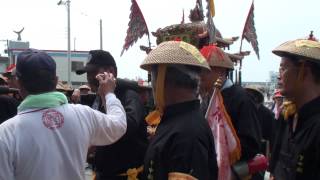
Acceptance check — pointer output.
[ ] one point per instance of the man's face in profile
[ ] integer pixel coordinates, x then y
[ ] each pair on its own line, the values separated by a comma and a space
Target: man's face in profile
91, 76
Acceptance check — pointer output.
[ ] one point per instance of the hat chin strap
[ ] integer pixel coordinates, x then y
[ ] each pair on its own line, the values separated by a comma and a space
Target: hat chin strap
290, 108
154, 117
160, 103
300, 78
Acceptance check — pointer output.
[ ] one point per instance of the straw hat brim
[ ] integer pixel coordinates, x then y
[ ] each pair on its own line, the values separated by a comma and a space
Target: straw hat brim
175, 52
63, 87
85, 87
224, 61
301, 49
256, 92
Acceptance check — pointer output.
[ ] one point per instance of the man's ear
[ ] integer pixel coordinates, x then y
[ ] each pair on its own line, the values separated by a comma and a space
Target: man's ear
23, 92
308, 73
19, 83
305, 71
113, 70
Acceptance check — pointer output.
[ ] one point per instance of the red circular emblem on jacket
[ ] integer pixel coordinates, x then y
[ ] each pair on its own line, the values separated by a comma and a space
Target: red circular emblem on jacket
52, 119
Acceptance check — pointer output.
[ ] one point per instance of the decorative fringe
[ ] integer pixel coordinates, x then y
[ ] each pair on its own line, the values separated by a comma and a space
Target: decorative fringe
289, 109
132, 173
208, 51
154, 117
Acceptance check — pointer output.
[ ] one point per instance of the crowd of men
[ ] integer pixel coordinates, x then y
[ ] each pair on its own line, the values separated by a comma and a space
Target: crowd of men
48, 131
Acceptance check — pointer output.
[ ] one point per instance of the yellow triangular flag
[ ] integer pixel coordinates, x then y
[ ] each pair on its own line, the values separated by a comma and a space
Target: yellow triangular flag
211, 6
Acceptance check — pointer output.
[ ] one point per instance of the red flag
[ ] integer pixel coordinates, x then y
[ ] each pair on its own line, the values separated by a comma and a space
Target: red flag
137, 26
226, 141
249, 31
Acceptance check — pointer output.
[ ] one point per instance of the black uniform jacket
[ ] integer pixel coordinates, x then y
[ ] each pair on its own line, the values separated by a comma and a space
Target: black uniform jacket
8, 107
268, 124
129, 151
245, 120
183, 143
297, 153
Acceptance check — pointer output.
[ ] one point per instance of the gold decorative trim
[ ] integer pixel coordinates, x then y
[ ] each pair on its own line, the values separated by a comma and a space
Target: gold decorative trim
193, 50
132, 173
307, 43
180, 176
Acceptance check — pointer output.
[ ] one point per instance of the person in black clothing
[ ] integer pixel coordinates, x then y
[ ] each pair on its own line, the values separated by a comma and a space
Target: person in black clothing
12, 82
114, 162
266, 117
182, 146
8, 104
8, 107
3, 81
238, 104
297, 152
11, 76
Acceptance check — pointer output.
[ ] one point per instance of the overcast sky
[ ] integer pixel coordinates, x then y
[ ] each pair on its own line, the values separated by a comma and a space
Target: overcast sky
45, 26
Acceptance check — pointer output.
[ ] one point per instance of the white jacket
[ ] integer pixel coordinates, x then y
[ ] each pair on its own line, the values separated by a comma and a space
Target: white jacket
52, 144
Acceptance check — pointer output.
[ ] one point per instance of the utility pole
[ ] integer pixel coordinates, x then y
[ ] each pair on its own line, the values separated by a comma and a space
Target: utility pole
67, 4
101, 45
74, 44
69, 44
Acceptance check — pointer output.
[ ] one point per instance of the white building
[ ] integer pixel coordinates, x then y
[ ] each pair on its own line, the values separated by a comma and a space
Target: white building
4, 63
78, 60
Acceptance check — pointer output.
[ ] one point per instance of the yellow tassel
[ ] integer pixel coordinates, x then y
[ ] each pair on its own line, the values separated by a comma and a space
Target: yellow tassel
154, 117
289, 109
133, 173
160, 87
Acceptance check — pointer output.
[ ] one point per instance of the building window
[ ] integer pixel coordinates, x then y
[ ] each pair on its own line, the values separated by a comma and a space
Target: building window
75, 65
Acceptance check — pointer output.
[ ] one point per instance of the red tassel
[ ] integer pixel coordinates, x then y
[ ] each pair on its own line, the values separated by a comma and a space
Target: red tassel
177, 39
207, 51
